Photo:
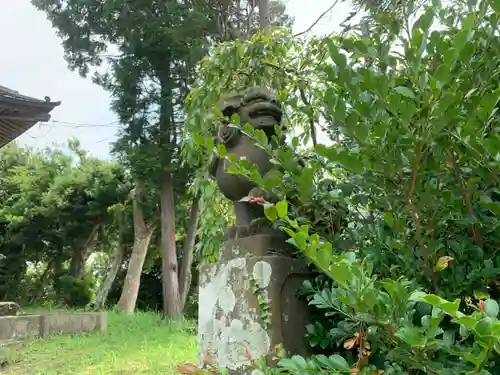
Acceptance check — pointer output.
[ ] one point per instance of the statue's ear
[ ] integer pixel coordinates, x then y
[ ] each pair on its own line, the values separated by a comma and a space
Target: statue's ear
230, 110
230, 105
212, 165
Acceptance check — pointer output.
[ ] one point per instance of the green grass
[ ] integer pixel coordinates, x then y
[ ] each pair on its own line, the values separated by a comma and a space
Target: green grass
135, 344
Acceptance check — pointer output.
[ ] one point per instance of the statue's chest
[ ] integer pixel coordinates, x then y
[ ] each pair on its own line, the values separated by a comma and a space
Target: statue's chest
233, 186
245, 148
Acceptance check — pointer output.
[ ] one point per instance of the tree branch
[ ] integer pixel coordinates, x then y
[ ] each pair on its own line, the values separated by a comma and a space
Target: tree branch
187, 254
311, 120
317, 20
416, 219
476, 235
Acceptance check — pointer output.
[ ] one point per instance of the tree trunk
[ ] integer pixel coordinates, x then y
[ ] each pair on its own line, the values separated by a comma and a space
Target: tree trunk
264, 14
40, 288
168, 140
105, 287
142, 237
169, 267
80, 256
187, 253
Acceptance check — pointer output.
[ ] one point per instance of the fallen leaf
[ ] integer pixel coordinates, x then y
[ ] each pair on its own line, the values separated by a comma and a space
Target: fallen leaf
442, 263
355, 369
351, 343
247, 355
207, 358
187, 369
482, 306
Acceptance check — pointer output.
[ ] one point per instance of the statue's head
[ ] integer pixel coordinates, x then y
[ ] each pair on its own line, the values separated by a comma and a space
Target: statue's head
256, 106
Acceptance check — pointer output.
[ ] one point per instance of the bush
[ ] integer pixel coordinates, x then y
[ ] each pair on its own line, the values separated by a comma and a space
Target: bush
76, 291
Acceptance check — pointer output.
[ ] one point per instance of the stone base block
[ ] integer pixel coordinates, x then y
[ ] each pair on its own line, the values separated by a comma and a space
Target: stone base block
23, 327
249, 304
9, 309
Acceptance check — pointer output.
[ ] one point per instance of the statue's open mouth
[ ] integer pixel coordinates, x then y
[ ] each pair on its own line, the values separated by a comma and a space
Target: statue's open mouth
266, 111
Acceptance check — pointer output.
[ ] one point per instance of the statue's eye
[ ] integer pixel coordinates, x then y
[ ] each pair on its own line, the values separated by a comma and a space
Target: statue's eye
275, 102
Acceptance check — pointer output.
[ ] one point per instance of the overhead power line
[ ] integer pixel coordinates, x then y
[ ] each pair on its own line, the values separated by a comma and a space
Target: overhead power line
113, 124
70, 125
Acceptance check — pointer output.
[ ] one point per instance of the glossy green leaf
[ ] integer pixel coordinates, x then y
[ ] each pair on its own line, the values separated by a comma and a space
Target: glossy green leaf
404, 91
282, 209
413, 336
491, 308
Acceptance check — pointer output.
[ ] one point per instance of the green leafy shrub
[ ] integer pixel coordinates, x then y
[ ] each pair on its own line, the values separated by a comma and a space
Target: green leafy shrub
377, 319
76, 291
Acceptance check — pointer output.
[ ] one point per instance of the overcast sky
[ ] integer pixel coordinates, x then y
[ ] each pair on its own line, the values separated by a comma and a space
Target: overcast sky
32, 62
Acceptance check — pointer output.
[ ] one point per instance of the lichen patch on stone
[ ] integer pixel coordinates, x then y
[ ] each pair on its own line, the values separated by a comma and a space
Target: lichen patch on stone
226, 331
227, 299
262, 273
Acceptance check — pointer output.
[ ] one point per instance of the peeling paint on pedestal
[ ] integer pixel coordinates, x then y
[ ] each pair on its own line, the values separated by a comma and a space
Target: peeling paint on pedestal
229, 323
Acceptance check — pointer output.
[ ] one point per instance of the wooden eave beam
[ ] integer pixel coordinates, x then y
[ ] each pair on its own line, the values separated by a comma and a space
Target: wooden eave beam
36, 118
27, 105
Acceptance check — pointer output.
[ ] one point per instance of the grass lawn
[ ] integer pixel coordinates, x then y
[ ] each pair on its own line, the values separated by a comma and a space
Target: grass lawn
136, 344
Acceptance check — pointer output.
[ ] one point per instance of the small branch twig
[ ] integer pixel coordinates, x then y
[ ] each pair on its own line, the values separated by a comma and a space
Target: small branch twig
317, 20
311, 120
421, 246
344, 24
476, 235
415, 218
409, 193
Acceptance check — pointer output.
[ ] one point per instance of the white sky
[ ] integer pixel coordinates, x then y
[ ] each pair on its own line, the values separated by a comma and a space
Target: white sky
32, 62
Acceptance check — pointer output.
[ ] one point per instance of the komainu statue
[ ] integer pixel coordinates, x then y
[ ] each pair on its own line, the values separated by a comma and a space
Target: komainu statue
231, 322
258, 107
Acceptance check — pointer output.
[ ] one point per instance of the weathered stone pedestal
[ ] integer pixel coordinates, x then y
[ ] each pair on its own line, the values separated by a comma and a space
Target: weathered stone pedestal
9, 309
231, 320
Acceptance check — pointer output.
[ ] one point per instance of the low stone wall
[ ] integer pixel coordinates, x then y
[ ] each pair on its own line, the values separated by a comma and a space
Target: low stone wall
23, 327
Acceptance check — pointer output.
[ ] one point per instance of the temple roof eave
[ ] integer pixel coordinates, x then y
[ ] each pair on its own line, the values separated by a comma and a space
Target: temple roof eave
18, 113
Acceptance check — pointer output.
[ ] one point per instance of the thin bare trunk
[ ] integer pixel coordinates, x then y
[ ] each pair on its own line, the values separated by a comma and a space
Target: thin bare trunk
170, 278
187, 253
80, 256
264, 14
41, 283
105, 287
142, 237
238, 14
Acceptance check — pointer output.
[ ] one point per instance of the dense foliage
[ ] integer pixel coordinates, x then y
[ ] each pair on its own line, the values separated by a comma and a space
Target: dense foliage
145, 55
402, 115
55, 208
67, 221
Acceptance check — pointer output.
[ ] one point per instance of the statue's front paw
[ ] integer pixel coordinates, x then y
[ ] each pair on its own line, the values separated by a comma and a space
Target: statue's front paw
253, 200
267, 195
259, 196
